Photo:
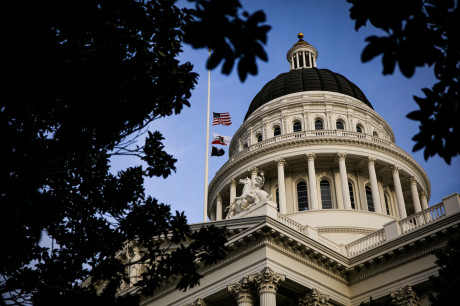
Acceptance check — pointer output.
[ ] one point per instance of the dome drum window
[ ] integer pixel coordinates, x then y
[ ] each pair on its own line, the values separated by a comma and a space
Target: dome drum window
370, 201
339, 125
276, 131
319, 124
297, 127
326, 197
359, 128
302, 196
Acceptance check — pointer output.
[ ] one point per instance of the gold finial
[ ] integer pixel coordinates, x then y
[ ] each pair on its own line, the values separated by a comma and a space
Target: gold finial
300, 36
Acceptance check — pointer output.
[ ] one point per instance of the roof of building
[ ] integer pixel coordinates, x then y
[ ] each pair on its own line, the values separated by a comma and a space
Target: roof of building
305, 79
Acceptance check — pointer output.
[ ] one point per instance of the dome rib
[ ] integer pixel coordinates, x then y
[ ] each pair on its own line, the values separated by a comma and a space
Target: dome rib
305, 79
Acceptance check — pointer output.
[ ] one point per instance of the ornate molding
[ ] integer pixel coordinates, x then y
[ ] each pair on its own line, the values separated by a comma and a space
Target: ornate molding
314, 298
233, 182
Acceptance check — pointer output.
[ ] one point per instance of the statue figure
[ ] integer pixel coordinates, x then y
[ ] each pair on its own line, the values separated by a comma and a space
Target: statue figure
251, 195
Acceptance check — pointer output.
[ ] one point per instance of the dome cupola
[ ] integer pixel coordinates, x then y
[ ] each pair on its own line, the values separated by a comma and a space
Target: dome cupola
302, 54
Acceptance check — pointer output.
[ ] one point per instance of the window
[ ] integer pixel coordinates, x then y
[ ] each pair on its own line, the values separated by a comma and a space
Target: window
352, 195
259, 137
387, 204
375, 134
277, 199
370, 201
319, 124
359, 129
339, 125
277, 131
326, 199
297, 126
302, 196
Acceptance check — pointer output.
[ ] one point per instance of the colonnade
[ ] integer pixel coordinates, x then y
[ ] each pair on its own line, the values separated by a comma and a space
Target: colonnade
267, 282
420, 201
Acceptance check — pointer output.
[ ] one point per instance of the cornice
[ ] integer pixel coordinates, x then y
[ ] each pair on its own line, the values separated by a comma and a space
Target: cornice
269, 233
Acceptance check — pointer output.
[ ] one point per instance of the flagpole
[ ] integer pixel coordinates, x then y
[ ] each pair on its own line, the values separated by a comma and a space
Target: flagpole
205, 208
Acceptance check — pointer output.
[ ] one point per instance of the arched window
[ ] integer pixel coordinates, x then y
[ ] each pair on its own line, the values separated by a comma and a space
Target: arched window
319, 124
302, 196
277, 199
339, 125
387, 203
370, 201
375, 134
359, 129
297, 126
259, 137
326, 199
277, 131
352, 195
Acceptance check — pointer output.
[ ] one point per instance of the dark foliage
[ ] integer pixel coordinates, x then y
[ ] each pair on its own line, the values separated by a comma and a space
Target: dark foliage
445, 286
80, 82
419, 33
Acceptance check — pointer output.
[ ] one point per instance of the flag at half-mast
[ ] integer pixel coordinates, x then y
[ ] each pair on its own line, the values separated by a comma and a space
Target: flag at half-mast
221, 140
221, 118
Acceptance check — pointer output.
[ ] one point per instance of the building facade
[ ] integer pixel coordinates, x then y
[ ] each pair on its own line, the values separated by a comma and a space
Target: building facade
321, 206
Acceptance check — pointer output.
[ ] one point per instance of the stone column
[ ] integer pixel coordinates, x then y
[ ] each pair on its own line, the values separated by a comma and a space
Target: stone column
267, 283
344, 180
374, 185
242, 291
423, 199
405, 297
399, 193
254, 172
281, 185
232, 190
219, 207
415, 199
312, 181
314, 298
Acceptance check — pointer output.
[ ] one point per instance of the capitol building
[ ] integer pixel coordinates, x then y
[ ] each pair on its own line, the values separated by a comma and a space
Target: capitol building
321, 206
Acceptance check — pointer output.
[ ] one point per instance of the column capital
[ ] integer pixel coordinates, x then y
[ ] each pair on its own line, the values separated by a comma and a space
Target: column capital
242, 291
233, 182
370, 160
314, 298
280, 161
218, 196
394, 168
423, 194
199, 302
253, 169
267, 280
412, 180
341, 155
310, 156
404, 296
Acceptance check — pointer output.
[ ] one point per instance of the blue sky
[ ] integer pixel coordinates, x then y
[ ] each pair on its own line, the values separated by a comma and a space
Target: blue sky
327, 26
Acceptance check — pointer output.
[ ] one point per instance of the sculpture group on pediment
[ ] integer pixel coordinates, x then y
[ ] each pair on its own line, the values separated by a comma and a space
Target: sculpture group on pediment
251, 195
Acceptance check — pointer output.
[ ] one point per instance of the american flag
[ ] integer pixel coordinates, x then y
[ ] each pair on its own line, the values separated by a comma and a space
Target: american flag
221, 118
